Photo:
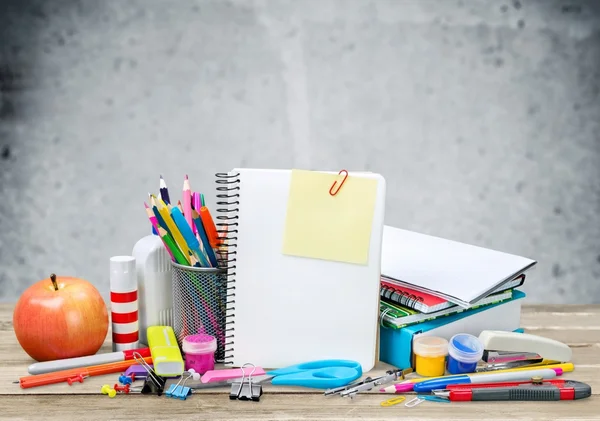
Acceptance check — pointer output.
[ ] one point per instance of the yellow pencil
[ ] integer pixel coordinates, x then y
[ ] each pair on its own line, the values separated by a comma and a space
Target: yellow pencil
164, 212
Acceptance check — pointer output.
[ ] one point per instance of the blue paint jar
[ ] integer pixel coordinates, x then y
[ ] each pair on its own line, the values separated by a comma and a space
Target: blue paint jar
464, 352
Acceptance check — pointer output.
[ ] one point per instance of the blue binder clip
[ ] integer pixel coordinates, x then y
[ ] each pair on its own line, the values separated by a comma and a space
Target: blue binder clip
182, 392
179, 390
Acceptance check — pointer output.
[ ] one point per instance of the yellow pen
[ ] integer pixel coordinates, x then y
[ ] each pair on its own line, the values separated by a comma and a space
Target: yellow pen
407, 385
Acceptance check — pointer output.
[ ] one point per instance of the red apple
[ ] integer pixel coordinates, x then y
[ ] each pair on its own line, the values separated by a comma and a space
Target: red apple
60, 317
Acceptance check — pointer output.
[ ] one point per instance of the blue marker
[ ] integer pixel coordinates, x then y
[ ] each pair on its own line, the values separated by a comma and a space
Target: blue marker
188, 235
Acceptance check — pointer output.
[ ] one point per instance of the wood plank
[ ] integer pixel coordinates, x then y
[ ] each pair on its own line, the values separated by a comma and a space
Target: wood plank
580, 320
284, 407
574, 335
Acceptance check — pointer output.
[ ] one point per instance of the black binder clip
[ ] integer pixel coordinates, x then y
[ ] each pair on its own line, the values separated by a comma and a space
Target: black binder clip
246, 390
154, 384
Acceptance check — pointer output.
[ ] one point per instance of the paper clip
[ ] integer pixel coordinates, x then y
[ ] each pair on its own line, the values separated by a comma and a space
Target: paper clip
246, 391
422, 398
393, 401
341, 184
153, 383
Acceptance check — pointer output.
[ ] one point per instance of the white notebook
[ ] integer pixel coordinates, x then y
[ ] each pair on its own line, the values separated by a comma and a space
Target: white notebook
288, 307
458, 272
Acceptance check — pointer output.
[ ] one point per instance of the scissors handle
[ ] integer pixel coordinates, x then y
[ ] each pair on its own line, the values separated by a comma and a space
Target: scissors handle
323, 374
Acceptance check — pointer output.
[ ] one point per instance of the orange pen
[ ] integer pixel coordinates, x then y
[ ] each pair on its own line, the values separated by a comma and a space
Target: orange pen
77, 374
209, 226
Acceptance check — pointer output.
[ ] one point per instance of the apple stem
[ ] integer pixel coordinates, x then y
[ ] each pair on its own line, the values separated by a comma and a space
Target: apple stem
53, 279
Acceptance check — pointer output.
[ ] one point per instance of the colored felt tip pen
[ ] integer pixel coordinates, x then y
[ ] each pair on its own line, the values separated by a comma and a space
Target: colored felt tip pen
443, 382
68, 363
546, 391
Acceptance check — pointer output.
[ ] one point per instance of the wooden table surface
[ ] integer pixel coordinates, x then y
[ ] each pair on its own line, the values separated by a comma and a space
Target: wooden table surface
578, 326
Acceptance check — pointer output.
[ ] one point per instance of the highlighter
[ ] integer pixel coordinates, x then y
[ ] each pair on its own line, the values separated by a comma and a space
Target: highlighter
166, 355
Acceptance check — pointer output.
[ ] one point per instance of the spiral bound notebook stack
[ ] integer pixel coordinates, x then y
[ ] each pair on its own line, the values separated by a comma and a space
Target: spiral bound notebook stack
425, 277
295, 239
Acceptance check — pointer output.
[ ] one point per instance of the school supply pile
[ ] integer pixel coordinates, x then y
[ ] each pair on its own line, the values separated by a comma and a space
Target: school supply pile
263, 286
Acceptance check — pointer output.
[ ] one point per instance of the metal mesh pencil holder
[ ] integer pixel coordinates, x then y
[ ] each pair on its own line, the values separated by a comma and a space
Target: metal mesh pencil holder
199, 303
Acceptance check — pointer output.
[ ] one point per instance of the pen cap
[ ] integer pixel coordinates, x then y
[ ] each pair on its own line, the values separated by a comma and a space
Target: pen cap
430, 346
123, 276
465, 348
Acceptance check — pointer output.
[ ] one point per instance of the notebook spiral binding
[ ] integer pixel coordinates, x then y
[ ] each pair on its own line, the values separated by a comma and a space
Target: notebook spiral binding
398, 296
227, 215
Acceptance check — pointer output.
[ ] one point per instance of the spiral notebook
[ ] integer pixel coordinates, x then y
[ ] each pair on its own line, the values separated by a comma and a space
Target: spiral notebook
293, 247
429, 303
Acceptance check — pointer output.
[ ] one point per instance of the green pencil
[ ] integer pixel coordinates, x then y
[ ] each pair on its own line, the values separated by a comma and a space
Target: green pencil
179, 257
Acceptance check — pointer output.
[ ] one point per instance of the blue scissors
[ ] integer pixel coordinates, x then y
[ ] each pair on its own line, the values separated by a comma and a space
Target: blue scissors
322, 374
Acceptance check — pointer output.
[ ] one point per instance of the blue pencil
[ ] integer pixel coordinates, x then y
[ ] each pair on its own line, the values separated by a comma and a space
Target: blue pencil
200, 228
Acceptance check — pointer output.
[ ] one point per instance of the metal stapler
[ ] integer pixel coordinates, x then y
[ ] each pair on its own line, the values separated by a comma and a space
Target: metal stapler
504, 350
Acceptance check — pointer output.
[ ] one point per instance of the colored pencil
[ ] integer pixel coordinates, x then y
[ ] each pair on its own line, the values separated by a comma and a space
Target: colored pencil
164, 191
187, 202
170, 245
173, 230
209, 251
194, 205
209, 227
188, 236
193, 261
156, 227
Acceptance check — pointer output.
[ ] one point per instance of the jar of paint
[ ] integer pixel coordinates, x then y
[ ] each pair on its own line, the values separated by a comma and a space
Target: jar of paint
464, 352
199, 352
430, 355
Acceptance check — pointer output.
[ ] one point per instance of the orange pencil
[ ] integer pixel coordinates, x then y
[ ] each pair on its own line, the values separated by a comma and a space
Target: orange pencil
209, 226
77, 374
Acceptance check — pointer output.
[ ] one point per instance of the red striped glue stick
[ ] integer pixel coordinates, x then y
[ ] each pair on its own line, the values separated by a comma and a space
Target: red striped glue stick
124, 303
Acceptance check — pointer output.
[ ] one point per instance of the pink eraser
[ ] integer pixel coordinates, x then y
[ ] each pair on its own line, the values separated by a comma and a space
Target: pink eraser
232, 373
559, 371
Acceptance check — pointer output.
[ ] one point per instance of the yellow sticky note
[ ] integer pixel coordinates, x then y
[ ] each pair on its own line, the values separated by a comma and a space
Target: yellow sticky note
322, 226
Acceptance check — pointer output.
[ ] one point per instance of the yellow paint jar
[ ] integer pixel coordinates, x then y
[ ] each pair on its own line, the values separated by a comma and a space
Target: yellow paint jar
430, 355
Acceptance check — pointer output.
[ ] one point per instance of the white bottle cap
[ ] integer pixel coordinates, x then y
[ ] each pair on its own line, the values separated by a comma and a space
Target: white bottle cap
123, 277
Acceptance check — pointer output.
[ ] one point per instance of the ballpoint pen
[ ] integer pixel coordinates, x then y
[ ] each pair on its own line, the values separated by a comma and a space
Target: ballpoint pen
441, 383
407, 385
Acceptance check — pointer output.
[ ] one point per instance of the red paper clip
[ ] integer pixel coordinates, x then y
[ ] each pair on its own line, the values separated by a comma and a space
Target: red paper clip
341, 184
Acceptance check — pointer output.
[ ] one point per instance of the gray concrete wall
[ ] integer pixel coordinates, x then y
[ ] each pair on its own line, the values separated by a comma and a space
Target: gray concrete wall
482, 115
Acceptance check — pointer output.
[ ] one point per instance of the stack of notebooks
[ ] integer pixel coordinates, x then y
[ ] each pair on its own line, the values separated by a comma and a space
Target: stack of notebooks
434, 286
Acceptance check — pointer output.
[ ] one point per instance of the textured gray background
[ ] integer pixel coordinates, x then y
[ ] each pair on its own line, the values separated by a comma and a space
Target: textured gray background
482, 115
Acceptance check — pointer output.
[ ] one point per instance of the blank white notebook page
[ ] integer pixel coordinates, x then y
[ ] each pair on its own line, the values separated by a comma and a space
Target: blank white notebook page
455, 269
290, 309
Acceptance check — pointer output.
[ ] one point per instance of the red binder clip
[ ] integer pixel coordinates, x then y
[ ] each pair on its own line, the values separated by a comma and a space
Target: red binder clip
341, 184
